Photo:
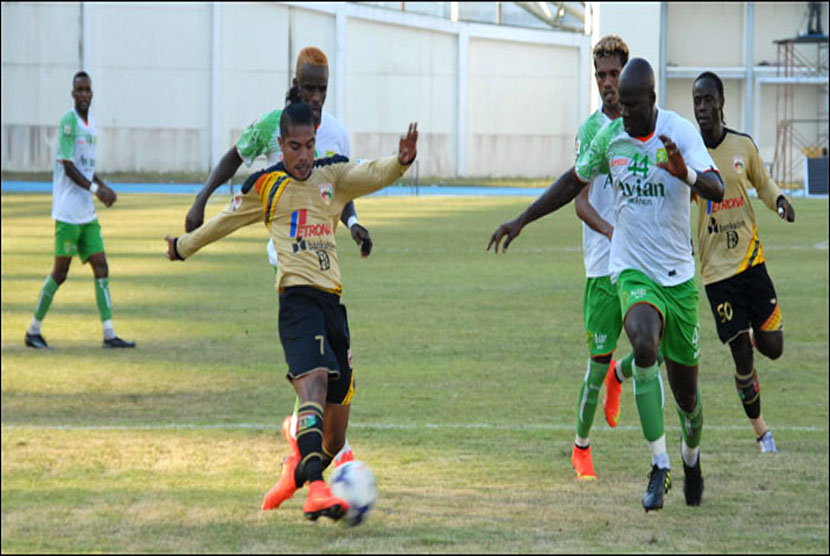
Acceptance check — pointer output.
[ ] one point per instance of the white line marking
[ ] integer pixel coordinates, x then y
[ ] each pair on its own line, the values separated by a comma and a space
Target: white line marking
391, 426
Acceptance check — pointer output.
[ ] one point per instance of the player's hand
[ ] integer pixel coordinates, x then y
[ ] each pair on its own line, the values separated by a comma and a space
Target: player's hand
195, 217
171, 248
361, 236
510, 229
609, 233
675, 165
106, 194
785, 209
407, 146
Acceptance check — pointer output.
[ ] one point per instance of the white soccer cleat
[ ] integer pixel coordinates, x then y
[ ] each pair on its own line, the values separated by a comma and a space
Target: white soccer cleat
767, 444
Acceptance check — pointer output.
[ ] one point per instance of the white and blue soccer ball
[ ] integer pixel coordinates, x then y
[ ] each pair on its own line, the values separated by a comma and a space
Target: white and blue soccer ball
354, 482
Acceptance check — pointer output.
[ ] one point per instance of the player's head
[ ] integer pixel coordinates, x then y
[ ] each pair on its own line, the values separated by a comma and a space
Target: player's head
312, 78
610, 57
297, 139
637, 98
707, 95
82, 91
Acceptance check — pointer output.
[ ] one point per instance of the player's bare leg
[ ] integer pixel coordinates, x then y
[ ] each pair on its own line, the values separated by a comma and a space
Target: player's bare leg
770, 344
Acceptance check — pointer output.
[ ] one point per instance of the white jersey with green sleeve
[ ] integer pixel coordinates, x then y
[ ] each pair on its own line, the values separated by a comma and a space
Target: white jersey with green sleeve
651, 207
260, 139
77, 142
596, 248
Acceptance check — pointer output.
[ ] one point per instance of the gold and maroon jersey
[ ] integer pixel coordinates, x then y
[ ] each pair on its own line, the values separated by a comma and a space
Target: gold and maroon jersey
727, 233
302, 215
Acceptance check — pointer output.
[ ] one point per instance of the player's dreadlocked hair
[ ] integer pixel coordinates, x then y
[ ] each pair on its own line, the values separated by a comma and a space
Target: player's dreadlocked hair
610, 45
293, 95
310, 55
718, 84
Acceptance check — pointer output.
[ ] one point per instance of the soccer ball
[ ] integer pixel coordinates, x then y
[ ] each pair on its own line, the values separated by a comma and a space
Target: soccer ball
354, 482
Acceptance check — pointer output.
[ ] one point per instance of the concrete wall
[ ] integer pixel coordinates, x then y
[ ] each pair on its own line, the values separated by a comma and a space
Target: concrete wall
153, 68
523, 114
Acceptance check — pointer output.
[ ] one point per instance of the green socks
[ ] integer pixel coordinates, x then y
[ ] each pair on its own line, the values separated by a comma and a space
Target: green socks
692, 423
648, 393
588, 394
102, 298
47, 292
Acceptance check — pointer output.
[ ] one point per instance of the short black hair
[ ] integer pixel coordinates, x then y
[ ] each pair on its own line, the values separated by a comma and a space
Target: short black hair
296, 113
80, 74
718, 85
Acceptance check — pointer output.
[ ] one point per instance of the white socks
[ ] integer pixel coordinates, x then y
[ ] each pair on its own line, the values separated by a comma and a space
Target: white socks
659, 455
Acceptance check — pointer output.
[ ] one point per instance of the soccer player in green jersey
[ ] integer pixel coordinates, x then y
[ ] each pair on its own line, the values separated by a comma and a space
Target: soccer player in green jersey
601, 307
740, 292
654, 157
77, 232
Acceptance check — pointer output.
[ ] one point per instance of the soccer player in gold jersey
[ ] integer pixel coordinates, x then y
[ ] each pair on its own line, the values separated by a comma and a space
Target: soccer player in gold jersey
301, 198
741, 294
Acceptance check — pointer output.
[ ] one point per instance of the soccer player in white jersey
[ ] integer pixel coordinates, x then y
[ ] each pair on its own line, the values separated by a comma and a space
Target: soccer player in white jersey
601, 307
654, 157
77, 231
741, 293
261, 139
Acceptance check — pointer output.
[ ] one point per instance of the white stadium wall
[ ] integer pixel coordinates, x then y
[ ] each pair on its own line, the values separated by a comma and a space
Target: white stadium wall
176, 83
523, 113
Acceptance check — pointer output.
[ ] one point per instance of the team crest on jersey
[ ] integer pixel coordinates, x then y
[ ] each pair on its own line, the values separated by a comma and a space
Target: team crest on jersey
738, 163
662, 155
326, 193
67, 129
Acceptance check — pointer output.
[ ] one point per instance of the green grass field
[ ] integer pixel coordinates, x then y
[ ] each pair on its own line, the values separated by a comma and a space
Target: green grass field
468, 367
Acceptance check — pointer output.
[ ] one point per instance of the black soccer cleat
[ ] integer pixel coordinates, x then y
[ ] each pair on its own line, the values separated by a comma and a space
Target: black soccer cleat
117, 343
36, 341
659, 483
693, 483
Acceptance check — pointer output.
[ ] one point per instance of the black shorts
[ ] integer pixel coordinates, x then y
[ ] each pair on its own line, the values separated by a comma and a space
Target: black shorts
744, 300
314, 332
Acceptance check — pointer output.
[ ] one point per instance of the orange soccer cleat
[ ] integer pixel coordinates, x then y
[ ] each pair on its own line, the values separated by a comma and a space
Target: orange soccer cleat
285, 487
321, 502
286, 433
612, 396
583, 463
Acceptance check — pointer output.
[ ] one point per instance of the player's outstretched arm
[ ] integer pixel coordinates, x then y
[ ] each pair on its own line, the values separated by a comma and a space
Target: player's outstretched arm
560, 193
224, 171
359, 234
588, 214
707, 185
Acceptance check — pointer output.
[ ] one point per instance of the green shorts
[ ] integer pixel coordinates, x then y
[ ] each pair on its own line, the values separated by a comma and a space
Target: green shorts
78, 239
678, 307
602, 316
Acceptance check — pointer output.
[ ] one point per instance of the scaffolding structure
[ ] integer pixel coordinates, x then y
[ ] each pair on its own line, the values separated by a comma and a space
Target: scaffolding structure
794, 137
